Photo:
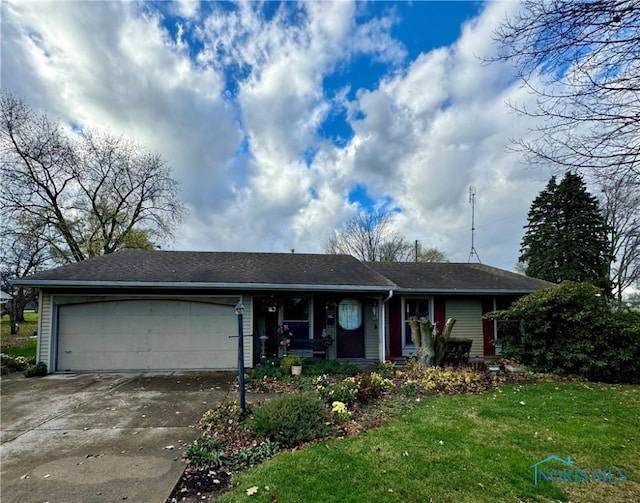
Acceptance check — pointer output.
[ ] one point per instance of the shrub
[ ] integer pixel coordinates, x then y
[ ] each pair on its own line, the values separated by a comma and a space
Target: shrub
331, 367
345, 391
291, 419
10, 363
37, 370
571, 329
452, 380
371, 386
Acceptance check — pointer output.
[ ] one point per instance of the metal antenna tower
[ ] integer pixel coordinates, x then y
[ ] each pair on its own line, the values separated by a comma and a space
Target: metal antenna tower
472, 200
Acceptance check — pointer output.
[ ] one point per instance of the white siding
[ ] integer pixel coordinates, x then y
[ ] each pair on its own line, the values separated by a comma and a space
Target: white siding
45, 323
468, 316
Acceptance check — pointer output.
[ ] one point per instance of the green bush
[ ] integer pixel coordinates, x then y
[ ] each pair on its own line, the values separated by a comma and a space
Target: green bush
342, 391
371, 385
10, 363
571, 329
37, 370
330, 367
291, 419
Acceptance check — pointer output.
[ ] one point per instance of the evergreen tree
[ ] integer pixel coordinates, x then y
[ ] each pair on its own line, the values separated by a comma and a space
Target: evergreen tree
566, 236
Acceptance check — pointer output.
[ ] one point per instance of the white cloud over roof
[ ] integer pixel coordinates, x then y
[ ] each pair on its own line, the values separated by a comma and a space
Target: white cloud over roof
263, 114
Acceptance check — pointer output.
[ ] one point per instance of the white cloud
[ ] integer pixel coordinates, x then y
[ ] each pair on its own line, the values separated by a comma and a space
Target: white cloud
238, 113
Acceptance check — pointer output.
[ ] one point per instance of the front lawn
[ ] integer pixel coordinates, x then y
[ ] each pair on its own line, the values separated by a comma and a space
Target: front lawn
468, 448
20, 350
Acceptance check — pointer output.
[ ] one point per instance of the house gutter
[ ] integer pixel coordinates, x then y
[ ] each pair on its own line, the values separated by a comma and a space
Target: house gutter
383, 324
193, 285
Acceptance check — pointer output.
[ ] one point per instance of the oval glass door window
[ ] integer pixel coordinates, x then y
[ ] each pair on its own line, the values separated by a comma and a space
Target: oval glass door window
350, 314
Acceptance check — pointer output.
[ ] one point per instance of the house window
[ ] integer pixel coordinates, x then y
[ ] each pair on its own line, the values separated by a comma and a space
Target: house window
350, 314
296, 315
414, 307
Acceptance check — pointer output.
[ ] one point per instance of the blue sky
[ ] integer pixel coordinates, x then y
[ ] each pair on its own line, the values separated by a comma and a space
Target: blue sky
283, 120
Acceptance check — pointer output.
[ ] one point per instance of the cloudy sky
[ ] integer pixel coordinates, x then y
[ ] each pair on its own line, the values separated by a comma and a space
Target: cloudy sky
283, 120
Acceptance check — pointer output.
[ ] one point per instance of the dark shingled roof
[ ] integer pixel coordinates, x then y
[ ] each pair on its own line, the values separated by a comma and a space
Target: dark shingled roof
213, 269
452, 277
170, 269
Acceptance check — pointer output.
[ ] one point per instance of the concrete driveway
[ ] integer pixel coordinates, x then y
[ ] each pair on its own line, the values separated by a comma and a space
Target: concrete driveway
100, 438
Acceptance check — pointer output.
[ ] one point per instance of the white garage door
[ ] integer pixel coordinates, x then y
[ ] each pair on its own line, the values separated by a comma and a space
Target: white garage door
146, 335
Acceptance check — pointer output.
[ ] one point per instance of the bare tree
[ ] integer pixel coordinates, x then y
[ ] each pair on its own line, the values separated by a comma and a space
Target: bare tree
621, 208
20, 254
370, 237
582, 60
85, 193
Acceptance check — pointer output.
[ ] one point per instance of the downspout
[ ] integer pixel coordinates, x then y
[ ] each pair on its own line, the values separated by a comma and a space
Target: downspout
383, 325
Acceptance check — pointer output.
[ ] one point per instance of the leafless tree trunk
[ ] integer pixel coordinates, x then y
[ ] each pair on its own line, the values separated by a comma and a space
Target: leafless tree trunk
423, 333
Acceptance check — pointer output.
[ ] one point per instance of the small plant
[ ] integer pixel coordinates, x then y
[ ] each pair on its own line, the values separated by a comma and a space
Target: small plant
371, 386
270, 369
291, 419
339, 411
453, 380
387, 369
205, 453
410, 390
342, 391
247, 457
37, 370
289, 361
284, 336
226, 416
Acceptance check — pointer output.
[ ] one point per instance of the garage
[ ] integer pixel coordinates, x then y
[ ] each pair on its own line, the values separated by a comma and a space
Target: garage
145, 334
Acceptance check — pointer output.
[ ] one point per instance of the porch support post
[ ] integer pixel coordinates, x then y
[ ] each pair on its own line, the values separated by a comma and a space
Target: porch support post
382, 327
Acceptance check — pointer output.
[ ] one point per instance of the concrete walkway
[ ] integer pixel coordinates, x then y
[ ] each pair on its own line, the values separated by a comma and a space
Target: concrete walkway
100, 438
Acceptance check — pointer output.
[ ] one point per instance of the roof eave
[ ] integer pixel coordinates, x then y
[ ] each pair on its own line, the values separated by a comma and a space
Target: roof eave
199, 285
466, 291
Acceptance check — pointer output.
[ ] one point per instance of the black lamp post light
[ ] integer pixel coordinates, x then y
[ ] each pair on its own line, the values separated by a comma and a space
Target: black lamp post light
240, 313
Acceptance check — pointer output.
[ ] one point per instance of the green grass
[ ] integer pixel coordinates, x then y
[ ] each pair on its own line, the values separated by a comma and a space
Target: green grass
468, 448
22, 344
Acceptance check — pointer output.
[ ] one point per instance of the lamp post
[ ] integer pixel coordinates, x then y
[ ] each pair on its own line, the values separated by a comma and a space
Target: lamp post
240, 312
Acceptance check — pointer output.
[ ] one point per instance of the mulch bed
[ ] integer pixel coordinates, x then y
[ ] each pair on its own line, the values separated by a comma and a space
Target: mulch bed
200, 485
205, 485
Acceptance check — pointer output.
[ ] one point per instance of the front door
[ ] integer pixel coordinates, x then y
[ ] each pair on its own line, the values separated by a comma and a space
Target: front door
350, 329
